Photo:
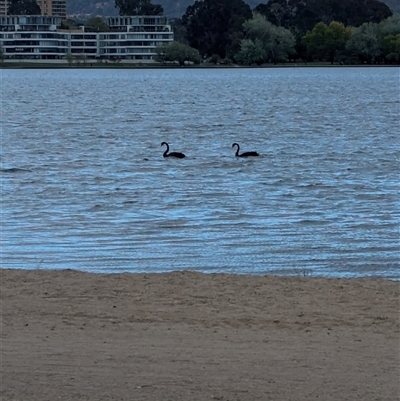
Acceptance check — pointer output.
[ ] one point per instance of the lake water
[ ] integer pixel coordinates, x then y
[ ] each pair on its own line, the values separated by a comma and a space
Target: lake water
85, 186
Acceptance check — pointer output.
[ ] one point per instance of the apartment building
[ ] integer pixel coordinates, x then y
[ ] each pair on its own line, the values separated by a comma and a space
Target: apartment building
57, 8
32, 37
4, 6
134, 38
41, 38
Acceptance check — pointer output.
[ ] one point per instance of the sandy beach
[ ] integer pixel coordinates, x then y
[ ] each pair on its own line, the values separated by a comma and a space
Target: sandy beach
68, 335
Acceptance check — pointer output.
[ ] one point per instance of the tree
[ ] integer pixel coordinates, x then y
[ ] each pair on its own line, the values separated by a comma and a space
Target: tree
96, 24
365, 43
337, 36
325, 42
391, 25
216, 26
70, 58
258, 27
177, 52
2, 55
277, 42
391, 48
23, 7
215, 59
138, 7
69, 24
315, 41
303, 15
282, 44
278, 12
251, 52
390, 34
179, 30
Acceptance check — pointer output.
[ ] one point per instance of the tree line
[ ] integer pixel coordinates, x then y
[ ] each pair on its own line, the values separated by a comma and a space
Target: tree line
344, 31
264, 42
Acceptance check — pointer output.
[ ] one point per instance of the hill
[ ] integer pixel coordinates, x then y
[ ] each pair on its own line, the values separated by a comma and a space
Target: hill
172, 8
394, 5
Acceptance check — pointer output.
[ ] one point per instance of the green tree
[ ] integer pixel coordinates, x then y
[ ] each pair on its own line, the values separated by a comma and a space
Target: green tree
314, 41
390, 34
2, 55
325, 42
337, 36
177, 52
179, 30
278, 12
258, 27
277, 42
365, 43
138, 7
216, 26
391, 25
70, 58
251, 52
391, 48
96, 24
69, 24
303, 15
23, 7
282, 44
215, 59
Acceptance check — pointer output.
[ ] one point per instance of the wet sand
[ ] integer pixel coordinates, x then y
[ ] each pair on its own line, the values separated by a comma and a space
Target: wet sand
68, 335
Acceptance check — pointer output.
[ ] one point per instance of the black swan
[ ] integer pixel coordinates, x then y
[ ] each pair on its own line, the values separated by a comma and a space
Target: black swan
245, 154
179, 155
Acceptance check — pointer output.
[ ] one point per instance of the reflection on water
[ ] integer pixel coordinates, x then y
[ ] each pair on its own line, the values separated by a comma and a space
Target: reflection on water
85, 186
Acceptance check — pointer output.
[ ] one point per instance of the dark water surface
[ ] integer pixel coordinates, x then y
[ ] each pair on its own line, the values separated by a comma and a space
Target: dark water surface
85, 186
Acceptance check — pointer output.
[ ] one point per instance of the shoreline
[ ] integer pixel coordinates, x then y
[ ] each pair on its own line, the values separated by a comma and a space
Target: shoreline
123, 66
186, 335
298, 274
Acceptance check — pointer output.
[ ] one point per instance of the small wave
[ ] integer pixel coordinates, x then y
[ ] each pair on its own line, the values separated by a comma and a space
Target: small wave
14, 170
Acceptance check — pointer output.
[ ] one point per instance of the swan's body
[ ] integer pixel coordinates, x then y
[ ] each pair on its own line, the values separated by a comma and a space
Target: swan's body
178, 155
245, 154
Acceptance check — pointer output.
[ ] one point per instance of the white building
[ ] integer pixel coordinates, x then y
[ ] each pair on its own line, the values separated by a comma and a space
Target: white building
32, 37
134, 38
41, 38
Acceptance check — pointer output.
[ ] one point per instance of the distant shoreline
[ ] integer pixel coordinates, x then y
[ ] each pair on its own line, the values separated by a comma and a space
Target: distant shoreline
111, 65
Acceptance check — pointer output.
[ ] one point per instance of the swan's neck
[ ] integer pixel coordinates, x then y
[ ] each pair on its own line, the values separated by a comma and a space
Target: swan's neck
166, 151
